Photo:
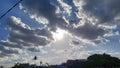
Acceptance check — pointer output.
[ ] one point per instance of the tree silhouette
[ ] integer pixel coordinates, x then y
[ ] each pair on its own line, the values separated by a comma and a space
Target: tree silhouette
40, 63
1, 66
35, 58
93, 61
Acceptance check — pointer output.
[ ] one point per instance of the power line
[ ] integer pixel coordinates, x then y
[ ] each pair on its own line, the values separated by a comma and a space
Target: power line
10, 9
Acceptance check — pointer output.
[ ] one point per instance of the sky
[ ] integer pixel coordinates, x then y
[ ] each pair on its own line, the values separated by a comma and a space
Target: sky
58, 30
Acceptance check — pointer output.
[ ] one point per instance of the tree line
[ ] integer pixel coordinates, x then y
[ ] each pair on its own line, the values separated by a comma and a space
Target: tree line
93, 61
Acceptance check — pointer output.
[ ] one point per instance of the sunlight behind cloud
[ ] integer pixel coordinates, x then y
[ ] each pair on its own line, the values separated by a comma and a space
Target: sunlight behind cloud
59, 34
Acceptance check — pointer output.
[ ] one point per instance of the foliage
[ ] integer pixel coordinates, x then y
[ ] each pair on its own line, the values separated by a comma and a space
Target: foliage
93, 61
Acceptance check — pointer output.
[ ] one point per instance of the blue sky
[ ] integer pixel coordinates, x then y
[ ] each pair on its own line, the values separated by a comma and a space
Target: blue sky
58, 30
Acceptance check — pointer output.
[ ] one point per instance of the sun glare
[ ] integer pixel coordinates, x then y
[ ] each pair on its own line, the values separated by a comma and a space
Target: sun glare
59, 34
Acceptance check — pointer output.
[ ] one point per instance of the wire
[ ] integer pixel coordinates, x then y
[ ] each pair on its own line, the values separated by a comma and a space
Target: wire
10, 9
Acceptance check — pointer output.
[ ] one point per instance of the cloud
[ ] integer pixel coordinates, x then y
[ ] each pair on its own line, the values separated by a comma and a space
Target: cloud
87, 20
40, 9
106, 12
7, 52
86, 23
75, 42
69, 11
20, 32
33, 49
102, 15
44, 9
21, 35
88, 31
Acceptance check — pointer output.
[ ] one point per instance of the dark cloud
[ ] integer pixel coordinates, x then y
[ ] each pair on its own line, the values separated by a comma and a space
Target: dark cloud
44, 8
73, 19
33, 49
10, 44
22, 35
40, 9
104, 10
88, 31
6, 52
75, 42
68, 10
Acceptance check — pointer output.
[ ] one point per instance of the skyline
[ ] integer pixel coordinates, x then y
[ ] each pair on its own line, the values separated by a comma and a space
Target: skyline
58, 30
